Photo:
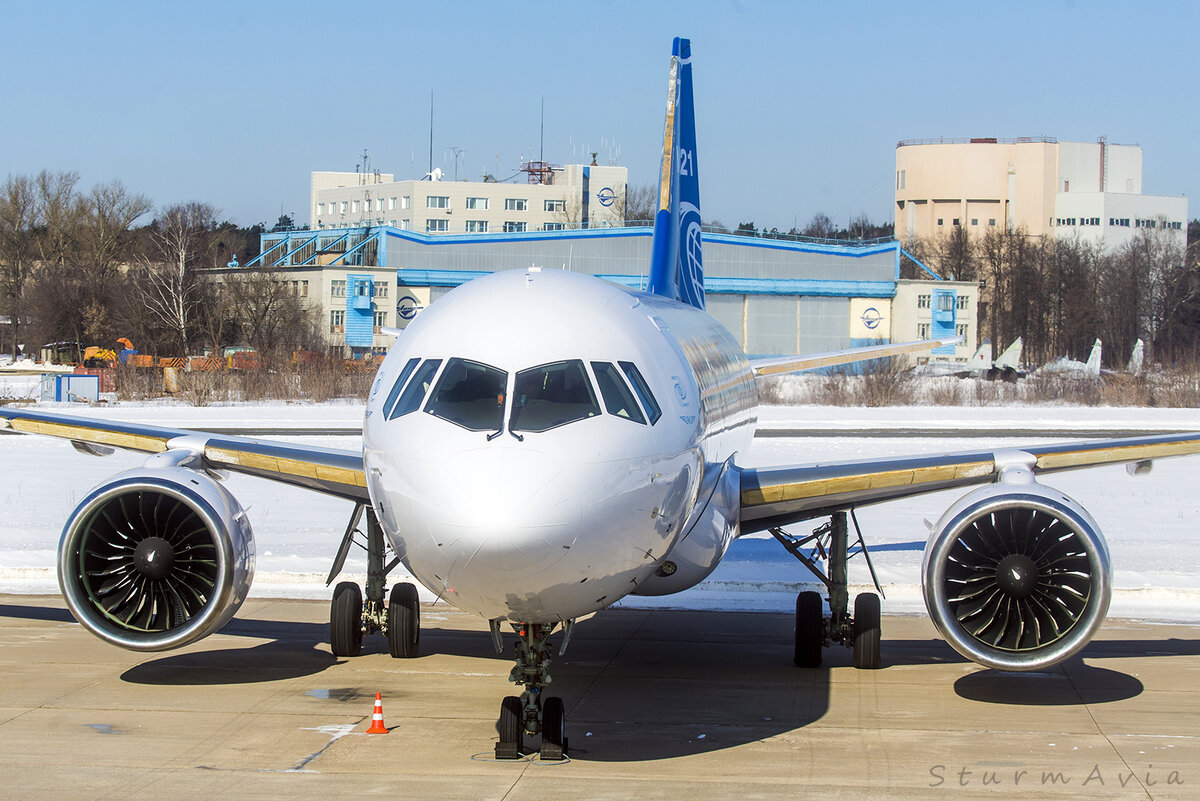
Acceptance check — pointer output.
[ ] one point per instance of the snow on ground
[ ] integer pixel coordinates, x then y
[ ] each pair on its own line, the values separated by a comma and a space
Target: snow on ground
1149, 521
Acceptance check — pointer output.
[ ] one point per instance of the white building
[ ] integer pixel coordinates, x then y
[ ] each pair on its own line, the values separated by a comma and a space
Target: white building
560, 198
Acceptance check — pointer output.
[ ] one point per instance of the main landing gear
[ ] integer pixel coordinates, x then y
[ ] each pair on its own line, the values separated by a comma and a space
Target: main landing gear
350, 618
531, 713
859, 631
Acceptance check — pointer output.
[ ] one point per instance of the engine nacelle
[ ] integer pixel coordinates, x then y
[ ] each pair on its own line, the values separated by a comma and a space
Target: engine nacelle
1017, 576
156, 558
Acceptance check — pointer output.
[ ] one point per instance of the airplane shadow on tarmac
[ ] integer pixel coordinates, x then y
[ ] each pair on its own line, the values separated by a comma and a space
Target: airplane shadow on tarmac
643, 685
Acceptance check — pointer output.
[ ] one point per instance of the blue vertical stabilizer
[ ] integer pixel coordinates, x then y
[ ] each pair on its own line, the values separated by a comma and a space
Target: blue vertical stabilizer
676, 268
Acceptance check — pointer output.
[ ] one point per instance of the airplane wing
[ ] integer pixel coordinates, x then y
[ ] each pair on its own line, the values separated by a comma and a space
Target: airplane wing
792, 364
327, 470
777, 496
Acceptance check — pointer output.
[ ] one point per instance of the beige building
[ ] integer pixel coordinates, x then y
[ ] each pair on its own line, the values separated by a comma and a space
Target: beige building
559, 198
928, 309
1090, 190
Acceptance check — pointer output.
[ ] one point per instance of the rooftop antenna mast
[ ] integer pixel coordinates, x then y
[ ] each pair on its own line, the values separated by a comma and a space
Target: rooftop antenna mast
542, 133
431, 132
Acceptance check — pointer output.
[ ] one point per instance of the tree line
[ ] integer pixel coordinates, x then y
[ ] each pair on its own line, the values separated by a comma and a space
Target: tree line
1060, 294
90, 266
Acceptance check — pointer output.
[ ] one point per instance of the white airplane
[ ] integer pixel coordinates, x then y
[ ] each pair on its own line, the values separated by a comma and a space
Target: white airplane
539, 444
980, 365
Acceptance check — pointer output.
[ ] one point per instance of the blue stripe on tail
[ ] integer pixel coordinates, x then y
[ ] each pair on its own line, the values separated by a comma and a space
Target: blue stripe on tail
676, 266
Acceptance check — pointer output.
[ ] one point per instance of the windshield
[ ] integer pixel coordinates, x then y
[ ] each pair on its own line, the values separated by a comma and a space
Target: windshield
471, 395
552, 395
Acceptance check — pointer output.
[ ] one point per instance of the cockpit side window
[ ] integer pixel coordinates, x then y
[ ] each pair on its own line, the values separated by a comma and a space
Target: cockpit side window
390, 403
471, 395
414, 393
643, 391
618, 400
552, 395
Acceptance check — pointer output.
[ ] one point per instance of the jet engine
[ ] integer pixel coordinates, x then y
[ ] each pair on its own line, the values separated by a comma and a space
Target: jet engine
1017, 575
154, 559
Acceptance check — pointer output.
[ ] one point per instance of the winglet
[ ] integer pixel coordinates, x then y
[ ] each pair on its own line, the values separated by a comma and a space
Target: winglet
676, 266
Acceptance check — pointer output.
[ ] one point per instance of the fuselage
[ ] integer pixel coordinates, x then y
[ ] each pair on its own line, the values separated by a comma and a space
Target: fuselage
537, 441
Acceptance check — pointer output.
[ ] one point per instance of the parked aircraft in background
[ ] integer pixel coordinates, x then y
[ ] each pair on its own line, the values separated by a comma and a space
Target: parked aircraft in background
980, 365
1071, 368
539, 444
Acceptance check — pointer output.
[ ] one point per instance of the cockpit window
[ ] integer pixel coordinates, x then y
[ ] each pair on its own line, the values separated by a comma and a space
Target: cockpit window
414, 393
552, 395
618, 400
390, 403
471, 395
643, 391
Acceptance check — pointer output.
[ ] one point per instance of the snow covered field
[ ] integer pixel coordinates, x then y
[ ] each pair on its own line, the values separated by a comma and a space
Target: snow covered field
1149, 521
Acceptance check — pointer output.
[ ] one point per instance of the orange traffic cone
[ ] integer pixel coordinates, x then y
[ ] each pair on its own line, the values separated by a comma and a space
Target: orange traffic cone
377, 726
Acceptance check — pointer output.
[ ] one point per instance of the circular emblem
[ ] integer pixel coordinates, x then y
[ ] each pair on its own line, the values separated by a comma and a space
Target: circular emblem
407, 307
872, 318
606, 196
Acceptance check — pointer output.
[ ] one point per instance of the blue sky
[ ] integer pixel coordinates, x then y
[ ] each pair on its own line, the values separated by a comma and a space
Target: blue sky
799, 105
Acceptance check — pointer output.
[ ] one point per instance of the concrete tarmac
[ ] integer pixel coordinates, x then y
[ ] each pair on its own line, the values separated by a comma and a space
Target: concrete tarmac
660, 705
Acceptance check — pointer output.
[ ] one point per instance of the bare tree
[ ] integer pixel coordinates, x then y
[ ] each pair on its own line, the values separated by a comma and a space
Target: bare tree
179, 238
18, 220
641, 202
820, 227
270, 317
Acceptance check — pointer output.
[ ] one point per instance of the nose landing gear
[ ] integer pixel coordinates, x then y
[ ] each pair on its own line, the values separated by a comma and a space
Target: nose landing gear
531, 713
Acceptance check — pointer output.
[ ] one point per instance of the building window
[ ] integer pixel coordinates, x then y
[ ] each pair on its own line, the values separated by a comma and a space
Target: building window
960, 330
555, 205
479, 203
405, 201
381, 289
434, 226
956, 221
391, 204
476, 226
922, 301
343, 207
354, 207
514, 204
945, 303
553, 226
337, 321
338, 289
380, 320
962, 302
992, 222
939, 220
437, 202
922, 330
513, 227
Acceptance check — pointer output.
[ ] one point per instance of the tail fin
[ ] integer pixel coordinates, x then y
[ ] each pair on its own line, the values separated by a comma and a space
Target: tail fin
1011, 358
1135, 358
1092, 368
676, 268
982, 358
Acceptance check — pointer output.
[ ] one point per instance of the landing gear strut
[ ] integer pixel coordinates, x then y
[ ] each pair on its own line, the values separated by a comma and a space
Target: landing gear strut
351, 618
531, 713
860, 632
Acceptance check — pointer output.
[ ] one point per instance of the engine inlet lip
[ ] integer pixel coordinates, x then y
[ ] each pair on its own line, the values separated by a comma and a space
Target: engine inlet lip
76, 595
987, 500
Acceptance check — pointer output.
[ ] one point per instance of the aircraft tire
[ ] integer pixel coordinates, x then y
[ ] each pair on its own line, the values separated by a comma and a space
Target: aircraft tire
554, 718
404, 622
511, 729
867, 631
345, 620
810, 633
